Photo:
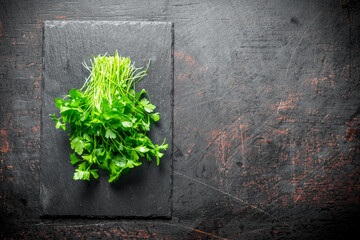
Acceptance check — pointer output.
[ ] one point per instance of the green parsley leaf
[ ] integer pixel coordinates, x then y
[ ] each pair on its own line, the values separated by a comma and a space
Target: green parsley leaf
110, 134
78, 145
74, 159
81, 175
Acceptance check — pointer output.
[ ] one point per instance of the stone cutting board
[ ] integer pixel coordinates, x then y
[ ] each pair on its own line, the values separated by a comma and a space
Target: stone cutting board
147, 190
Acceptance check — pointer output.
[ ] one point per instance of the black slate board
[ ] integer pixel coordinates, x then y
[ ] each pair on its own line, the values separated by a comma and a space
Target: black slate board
146, 191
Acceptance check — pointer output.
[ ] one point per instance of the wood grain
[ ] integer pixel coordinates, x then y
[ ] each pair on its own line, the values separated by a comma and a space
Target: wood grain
266, 116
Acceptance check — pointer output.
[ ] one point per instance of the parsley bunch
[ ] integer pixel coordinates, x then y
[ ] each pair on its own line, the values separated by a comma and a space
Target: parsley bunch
108, 119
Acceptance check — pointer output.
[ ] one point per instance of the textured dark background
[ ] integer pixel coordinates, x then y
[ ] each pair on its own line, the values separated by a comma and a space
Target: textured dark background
266, 119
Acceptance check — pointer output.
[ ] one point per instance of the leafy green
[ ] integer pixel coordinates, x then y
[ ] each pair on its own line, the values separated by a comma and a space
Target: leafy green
108, 120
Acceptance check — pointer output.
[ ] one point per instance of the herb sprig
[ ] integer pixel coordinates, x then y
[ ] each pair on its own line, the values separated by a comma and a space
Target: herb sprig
108, 120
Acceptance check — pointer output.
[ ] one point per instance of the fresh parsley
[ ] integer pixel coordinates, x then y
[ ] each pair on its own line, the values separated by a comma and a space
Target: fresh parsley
108, 120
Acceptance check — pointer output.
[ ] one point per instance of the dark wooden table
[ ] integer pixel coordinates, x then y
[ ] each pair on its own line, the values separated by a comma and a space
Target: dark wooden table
266, 119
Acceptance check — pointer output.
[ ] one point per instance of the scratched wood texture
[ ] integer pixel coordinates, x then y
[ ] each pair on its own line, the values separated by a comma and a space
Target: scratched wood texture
266, 119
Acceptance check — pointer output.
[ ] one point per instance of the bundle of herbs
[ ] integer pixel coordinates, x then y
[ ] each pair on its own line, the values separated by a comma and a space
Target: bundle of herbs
109, 120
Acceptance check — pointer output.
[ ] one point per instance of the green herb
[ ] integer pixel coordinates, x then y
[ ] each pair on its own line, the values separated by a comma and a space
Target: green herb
108, 120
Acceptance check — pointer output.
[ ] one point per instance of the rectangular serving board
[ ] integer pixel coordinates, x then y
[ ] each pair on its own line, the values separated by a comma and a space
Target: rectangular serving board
146, 191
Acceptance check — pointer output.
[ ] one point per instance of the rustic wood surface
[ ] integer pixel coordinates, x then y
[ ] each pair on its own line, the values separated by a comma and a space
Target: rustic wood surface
266, 119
